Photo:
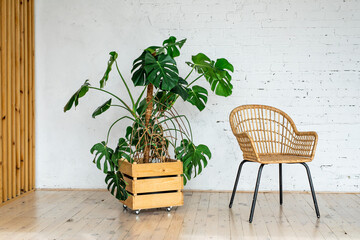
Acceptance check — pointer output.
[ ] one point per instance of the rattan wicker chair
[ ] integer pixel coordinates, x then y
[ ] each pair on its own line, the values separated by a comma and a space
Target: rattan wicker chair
268, 135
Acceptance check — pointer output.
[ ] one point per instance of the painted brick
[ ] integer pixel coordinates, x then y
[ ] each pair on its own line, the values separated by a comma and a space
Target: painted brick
301, 56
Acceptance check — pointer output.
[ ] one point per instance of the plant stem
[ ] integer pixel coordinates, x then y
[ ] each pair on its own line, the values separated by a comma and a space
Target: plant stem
108, 133
126, 106
122, 78
118, 106
189, 73
148, 113
195, 80
179, 116
138, 100
177, 130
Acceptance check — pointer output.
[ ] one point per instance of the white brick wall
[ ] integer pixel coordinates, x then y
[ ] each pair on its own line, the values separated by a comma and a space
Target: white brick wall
300, 56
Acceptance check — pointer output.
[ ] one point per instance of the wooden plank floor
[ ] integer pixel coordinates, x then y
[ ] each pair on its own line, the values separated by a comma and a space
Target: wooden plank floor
87, 215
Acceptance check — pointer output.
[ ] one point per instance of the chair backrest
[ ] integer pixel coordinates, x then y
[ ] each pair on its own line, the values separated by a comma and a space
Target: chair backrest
272, 130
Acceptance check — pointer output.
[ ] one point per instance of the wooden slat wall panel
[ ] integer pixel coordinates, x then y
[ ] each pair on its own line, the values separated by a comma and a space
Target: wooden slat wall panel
17, 125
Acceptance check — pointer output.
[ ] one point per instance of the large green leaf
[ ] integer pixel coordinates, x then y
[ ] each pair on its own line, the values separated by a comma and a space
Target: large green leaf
172, 46
78, 94
216, 73
102, 108
103, 152
138, 71
113, 57
198, 97
194, 158
181, 89
122, 150
116, 184
161, 71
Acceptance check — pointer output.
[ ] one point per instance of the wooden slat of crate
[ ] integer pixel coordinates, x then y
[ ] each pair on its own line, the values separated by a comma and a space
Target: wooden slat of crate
125, 167
158, 184
158, 169
154, 184
129, 185
129, 202
151, 169
154, 200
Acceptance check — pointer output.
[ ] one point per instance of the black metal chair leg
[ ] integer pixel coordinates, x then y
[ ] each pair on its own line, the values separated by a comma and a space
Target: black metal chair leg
236, 183
312, 189
255, 193
280, 184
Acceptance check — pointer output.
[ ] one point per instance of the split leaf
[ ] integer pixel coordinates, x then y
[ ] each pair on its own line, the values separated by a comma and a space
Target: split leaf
216, 73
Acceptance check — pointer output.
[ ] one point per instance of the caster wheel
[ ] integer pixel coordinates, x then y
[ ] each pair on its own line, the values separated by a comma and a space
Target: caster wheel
168, 209
137, 212
124, 206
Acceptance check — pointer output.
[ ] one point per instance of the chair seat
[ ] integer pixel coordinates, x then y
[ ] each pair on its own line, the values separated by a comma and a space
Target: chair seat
282, 158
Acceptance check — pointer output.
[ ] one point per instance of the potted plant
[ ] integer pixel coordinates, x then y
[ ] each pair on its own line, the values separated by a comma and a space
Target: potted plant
141, 164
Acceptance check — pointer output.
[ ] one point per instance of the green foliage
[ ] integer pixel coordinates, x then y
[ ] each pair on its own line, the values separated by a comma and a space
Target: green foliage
103, 152
122, 150
114, 178
102, 108
156, 65
138, 71
181, 89
194, 158
161, 71
216, 73
198, 97
164, 100
113, 57
172, 46
134, 135
142, 107
116, 184
78, 94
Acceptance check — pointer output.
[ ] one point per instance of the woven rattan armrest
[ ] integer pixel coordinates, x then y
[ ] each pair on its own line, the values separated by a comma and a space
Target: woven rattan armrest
247, 146
305, 143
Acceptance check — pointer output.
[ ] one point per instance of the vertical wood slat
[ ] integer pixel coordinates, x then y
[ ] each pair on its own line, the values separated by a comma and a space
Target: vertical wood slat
26, 93
13, 83
1, 106
22, 98
17, 95
8, 91
31, 94
32, 25
30, 136
17, 125
4, 98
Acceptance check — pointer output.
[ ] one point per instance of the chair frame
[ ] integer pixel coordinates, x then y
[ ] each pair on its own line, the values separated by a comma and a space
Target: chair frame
251, 155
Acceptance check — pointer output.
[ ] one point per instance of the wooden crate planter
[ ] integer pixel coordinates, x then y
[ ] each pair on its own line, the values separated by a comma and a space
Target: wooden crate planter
153, 185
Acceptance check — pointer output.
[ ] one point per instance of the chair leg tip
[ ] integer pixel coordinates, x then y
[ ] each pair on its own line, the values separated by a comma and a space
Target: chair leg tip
230, 205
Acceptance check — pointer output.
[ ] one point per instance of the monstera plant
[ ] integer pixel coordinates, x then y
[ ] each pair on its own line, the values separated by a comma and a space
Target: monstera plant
156, 128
